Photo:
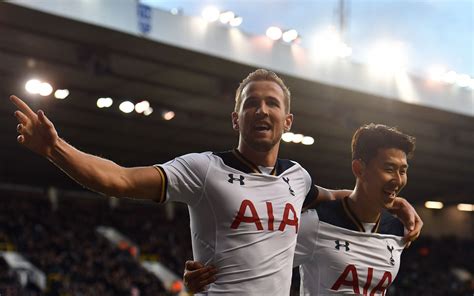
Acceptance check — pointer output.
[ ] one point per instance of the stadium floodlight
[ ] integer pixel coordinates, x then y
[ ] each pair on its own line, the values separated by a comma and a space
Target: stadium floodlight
465, 207
274, 33
168, 115
61, 94
148, 111
287, 137
104, 102
450, 77
226, 17
174, 11
210, 14
328, 43
142, 106
289, 35
436, 73
463, 80
388, 56
45, 89
297, 138
434, 205
236, 21
307, 140
126, 106
33, 86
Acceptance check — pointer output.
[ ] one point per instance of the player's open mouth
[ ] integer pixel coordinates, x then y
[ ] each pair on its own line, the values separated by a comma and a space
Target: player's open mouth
261, 127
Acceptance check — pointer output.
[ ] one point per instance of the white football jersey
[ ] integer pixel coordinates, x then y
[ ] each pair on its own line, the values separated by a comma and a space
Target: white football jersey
242, 221
336, 256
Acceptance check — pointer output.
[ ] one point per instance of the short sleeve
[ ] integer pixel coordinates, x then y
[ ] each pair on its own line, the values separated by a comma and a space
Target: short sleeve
307, 237
313, 190
185, 177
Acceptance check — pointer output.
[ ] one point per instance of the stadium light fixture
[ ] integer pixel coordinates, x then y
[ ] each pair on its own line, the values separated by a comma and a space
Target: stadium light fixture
307, 140
148, 111
236, 21
289, 35
142, 106
175, 11
450, 77
463, 80
287, 137
61, 94
328, 43
226, 17
33, 86
168, 115
45, 89
388, 57
274, 33
436, 73
434, 205
210, 14
297, 138
465, 207
104, 102
126, 106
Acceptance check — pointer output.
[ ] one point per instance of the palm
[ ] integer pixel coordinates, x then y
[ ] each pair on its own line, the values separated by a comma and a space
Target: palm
37, 133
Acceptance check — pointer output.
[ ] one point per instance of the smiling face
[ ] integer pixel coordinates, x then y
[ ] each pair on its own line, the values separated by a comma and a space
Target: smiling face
262, 116
383, 177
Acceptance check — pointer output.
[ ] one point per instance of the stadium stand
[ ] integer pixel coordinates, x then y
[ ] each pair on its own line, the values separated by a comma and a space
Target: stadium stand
62, 241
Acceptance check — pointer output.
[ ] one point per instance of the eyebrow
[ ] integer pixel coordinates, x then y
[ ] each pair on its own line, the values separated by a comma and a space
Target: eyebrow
392, 164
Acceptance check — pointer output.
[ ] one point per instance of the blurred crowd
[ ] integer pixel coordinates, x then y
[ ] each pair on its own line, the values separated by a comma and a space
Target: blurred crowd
64, 244
61, 240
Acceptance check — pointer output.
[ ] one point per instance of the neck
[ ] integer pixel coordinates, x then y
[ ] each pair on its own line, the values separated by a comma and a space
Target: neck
362, 207
265, 158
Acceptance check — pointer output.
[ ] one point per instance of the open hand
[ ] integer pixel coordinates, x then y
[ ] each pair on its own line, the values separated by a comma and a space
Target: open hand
36, 131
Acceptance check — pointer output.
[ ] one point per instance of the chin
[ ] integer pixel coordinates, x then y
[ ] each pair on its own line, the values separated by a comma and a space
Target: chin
262, 146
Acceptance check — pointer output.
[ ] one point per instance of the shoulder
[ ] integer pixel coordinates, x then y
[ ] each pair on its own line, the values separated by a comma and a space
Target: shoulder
390, 224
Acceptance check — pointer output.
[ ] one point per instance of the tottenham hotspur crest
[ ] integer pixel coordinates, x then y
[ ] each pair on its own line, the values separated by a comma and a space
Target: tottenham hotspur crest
390, 249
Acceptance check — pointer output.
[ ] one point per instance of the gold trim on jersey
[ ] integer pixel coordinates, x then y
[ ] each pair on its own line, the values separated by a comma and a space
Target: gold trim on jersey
355, 220
164, 184
250, 164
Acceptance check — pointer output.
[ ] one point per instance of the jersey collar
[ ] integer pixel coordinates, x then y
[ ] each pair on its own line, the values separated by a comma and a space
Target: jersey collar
352, 216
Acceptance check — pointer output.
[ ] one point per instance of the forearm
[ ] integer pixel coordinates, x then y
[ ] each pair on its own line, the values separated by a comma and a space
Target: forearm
98, 174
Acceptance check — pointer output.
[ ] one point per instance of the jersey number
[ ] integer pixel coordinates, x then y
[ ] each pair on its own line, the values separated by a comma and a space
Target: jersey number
353, 281
255, 218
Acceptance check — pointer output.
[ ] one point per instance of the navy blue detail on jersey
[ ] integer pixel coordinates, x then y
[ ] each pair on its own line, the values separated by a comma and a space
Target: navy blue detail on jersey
229, 158
332, 212
164, 185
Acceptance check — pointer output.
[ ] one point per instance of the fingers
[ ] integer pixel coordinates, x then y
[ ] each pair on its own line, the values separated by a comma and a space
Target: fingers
193, 265
20, 139
197, 280
415, 233
197, 276
21, 117
22, 106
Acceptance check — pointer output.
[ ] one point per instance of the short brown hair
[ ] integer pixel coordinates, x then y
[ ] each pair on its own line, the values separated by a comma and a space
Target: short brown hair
262, 75
369, 138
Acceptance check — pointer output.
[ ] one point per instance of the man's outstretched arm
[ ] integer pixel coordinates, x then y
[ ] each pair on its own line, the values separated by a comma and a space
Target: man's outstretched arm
37, 133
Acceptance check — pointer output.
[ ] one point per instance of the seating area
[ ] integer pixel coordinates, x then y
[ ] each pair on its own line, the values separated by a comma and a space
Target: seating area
64, 244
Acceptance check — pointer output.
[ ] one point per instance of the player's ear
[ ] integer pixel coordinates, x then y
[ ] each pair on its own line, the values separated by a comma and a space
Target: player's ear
288, 122
235, 121
358, 168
